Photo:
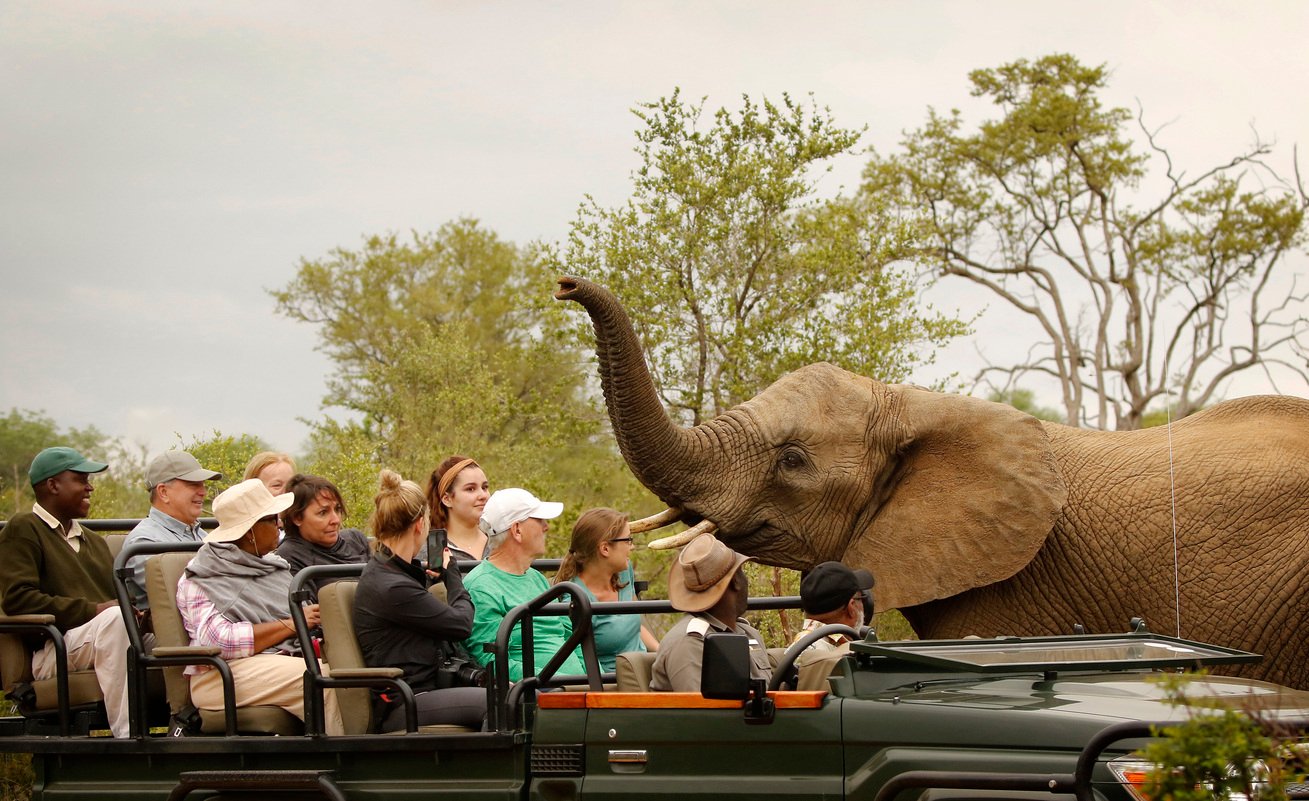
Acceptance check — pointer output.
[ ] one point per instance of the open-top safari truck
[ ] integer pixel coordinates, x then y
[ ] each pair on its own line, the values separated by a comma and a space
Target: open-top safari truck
1019, 718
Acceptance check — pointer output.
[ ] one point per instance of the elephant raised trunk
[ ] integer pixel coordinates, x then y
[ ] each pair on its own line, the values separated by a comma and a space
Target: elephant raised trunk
654, 446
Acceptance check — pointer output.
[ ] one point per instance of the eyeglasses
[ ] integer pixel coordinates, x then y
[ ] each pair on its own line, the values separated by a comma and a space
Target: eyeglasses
621, 539
270, 519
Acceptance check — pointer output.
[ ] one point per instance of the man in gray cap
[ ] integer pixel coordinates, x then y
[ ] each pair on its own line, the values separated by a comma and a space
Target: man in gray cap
177, 493
708, 584
52, 566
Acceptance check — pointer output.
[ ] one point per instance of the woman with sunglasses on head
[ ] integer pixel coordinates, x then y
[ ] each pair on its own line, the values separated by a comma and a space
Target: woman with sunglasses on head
599, 559
457, 492
233, 596
400, 624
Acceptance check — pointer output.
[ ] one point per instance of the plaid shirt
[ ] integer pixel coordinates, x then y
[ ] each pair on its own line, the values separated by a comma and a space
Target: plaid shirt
830, 642
206, 625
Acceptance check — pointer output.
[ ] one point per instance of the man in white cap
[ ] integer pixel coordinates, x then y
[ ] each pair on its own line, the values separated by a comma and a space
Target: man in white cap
51, 566
177, 494
515, 522
708, 584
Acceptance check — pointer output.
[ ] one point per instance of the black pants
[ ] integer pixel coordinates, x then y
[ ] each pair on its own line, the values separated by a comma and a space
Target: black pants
462, 706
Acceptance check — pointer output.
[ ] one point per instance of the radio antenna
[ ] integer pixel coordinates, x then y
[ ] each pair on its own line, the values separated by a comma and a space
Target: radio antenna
1172, 496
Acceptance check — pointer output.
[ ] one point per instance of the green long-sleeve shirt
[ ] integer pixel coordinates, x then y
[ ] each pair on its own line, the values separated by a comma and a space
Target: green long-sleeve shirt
494, 593
41, 575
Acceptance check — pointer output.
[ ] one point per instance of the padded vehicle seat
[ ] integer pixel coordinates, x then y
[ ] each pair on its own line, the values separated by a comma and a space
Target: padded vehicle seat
161, 574
16, 667
341, 650
633, 670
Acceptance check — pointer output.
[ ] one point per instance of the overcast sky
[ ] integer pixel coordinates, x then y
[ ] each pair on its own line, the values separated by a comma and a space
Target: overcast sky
165, 163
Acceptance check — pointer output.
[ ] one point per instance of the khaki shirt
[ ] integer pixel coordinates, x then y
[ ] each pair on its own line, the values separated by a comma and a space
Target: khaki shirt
680, 657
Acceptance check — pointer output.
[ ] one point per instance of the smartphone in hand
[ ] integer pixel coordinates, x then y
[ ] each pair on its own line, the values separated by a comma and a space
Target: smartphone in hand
436, 543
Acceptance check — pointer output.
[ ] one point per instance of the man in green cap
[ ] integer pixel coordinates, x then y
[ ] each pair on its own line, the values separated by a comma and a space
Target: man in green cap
53, 567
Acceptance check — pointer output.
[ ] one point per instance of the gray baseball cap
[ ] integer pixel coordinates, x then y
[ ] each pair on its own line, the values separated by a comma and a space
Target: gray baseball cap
176, 464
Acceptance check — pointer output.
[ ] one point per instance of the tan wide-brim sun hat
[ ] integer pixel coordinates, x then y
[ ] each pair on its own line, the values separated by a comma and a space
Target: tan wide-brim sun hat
240, 506
703, 570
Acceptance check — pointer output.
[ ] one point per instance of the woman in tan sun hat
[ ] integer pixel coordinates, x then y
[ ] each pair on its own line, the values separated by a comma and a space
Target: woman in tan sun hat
233, 595
708, 584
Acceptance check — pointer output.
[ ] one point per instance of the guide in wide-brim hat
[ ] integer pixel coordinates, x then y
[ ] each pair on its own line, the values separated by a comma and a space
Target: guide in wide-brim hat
239, 507
702, 573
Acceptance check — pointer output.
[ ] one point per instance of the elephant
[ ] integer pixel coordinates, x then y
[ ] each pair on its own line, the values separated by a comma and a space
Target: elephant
978, 519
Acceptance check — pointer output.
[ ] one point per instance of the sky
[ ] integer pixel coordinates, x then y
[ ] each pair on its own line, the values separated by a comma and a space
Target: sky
165, 164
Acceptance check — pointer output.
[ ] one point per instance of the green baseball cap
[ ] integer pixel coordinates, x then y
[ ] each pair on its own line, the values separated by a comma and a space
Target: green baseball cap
53, 461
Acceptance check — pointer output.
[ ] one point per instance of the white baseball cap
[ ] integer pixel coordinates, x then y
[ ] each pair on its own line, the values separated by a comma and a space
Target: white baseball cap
508, 506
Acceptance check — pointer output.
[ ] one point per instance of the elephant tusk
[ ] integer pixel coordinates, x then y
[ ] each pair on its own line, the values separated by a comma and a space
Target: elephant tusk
678, 540
664, 518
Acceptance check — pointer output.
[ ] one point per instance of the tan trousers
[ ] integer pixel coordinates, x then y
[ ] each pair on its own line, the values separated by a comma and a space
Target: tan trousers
265, 680
100, 643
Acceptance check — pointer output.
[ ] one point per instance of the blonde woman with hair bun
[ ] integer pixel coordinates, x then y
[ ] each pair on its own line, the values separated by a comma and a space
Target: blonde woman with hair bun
400, 624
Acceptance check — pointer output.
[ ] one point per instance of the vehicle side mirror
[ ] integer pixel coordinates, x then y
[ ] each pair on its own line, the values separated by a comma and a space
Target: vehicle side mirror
725, 671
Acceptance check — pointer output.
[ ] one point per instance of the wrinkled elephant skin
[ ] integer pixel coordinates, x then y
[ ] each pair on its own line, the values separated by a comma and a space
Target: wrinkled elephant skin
978, 519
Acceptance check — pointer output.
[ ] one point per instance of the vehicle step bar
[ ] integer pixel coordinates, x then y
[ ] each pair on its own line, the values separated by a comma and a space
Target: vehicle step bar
257, 780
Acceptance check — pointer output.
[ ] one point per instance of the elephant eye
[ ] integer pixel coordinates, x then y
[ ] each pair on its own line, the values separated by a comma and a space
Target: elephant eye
792, 459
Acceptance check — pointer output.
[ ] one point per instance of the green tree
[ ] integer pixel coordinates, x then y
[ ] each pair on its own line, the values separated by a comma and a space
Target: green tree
25, 433
1024, 400
1145, 280
734, 270
446, 343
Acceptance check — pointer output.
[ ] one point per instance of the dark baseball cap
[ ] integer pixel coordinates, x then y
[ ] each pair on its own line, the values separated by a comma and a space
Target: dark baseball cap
53, 461
830, 585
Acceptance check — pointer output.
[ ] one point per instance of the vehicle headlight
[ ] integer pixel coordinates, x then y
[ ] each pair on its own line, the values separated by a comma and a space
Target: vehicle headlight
1134, 774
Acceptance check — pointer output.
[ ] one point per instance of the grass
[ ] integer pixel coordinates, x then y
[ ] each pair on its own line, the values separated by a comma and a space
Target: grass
15, 769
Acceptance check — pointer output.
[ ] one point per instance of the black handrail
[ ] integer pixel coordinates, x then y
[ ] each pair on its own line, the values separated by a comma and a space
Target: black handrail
113, 524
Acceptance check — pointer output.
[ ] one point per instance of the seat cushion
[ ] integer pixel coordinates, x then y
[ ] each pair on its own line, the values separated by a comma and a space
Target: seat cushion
632, 670
253, 720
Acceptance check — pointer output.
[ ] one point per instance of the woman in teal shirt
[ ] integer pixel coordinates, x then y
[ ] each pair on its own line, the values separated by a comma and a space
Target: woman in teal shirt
599, 559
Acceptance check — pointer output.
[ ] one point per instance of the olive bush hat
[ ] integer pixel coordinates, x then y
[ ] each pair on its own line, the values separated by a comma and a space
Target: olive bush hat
240, 506
53, 461
704, 569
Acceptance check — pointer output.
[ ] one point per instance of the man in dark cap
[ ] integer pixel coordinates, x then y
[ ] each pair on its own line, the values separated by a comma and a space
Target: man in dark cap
53, 567
708, 584
831, 593
177, 493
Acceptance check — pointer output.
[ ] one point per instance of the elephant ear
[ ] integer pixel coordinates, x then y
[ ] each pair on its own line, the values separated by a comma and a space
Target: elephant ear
973, 493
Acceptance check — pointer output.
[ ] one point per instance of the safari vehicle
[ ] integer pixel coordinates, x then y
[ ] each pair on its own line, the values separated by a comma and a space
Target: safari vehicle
1020, 718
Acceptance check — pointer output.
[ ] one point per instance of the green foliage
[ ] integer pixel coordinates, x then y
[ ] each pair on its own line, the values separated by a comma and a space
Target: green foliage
24, 434
732, 269
1024, 400
224, 453
450, 343
1144, 281
1219, 752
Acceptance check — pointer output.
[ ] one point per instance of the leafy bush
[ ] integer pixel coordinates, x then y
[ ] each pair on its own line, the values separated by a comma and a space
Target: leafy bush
1220, 752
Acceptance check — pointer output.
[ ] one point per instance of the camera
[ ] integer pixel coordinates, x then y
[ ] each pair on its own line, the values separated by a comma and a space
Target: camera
459, 672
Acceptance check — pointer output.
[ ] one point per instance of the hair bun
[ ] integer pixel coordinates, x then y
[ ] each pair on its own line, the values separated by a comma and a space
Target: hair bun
390, 480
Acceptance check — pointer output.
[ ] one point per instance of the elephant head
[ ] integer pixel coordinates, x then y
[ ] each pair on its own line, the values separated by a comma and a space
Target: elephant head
936, 493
